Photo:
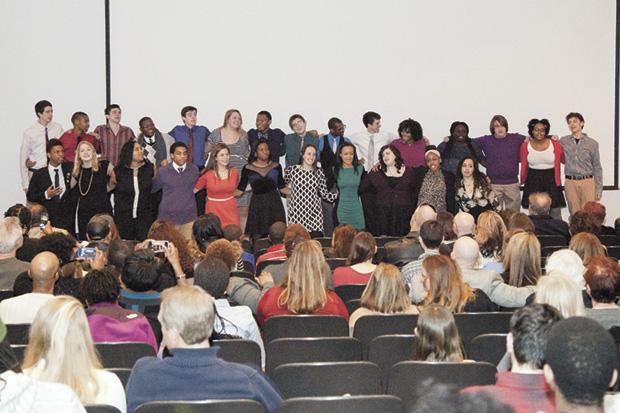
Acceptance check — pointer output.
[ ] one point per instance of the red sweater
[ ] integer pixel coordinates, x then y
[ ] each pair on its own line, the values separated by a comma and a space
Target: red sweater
268, 306
559, 158
347, 275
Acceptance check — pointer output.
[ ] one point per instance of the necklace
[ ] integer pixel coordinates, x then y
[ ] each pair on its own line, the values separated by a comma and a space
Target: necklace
90, 182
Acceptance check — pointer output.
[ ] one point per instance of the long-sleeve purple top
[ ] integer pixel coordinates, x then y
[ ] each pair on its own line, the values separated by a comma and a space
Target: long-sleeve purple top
177, 202
502, 157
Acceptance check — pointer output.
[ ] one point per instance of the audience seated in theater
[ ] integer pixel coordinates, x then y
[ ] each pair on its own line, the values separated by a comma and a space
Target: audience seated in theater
560, 291
464, 225
603, 283
466, 253
213, 276
582, 221
118, 251
233, 233
581, 360
163, 230
108, 321
587, 246
446, 219
521, 260
569, 263
276, 251
490, 234
443, 284
445, 398
304, 290
384, 294
11, 240
144, 272
524, 387
408, 249
430, 238
598, 212
438, 338
21, 393
341, 241
22, 309
194, 372
60, 349
205, 229
295, 234
359, 267
544, 224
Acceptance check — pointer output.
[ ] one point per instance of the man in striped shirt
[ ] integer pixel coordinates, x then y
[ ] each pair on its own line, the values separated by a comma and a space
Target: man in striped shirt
113, 135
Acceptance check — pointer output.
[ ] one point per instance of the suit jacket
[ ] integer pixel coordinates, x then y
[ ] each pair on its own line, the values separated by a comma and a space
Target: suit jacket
545, 225
61, 210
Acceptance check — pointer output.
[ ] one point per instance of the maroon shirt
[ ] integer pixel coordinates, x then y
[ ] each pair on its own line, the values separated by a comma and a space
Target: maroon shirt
111, 144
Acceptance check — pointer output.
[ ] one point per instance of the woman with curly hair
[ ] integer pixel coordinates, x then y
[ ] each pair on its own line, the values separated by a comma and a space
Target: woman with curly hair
163, 230
472, 189
229, 252
411, 144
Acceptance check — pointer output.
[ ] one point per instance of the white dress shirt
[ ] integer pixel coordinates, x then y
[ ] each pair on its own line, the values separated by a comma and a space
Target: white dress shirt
361, 140
51, 169
33, 147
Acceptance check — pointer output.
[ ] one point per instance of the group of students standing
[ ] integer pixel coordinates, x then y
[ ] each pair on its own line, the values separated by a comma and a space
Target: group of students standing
371, 180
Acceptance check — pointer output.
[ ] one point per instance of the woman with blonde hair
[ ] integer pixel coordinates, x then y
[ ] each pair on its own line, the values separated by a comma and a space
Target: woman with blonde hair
560, 291
587, 246
521, 260
490, 234
61, 350
384, 294
91, 180
437, 336
304, 290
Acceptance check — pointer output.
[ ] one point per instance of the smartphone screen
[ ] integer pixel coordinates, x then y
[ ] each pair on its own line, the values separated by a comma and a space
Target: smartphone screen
86, 253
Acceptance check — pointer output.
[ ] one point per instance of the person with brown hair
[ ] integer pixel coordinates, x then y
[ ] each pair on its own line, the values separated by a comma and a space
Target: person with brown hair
384, 294
587, 246
360, 266
163, 230
342, 239
438, 338
520, 221
602, 284
490, 233
304, 291
582, 221
521, 260
598, 213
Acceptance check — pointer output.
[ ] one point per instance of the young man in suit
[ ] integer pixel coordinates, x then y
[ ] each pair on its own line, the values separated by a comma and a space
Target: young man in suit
51, 188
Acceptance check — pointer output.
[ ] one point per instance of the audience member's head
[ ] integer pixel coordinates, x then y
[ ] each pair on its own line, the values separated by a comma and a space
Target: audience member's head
294, 234
114, 234
213, 275
22, 213
60, 336
206, 229
567, 262
597, 212
490, 233
582, 221
164, 230
580, 363
520, 222
603, 279
118, 251
101, 286
431, 235
446, 219
540, 203
43, 271
342, 239
587, 246
561, 292
422, 214
141, 272
186, 316
224, 250
444, 284
506, 215
529, 328
466, 253
276, 232
522, 259
385, 291
438, 337
363, 248
38, 216
232, 232
433, 398
11, 237
464, 224
98, 229
62, 245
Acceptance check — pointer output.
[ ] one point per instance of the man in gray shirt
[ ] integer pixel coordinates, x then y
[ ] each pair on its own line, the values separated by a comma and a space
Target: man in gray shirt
583, 170
11, 240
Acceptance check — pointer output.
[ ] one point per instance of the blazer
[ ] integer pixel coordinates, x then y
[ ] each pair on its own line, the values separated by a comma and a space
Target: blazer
61, 210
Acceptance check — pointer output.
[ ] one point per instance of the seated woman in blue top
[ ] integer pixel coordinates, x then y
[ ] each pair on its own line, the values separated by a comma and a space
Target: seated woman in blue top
473, 191
458, 146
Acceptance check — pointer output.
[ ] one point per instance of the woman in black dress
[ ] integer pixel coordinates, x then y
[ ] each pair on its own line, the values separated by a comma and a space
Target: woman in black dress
265, 178
90, 184
133, 209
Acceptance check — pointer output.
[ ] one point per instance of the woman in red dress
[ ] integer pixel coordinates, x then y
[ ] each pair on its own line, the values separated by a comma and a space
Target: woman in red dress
220, 181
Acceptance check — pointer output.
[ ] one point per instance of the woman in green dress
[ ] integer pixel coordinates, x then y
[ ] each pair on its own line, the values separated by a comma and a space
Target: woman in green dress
349, 173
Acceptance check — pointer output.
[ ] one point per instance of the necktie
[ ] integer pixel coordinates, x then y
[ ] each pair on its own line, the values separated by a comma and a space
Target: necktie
371, 152
47, 139
56, 179
181, 169
335, 145
190, 146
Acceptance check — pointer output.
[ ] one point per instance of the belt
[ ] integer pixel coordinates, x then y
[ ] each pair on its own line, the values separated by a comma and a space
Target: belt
220, 199
578, 178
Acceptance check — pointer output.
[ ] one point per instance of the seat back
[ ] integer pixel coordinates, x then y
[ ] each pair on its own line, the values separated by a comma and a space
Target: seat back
384, 239
100, 408
19, 350
609, 240
17, 333
307, 350
614, 252
488, 347
550, 240
327, 379
122, 355
471, 325
242, 274
139, 301
293, 326
386, 351
370, 326
348, 292
407, 376
352, 305
122, 373
4, 294
264, 264
261, 243
325, 241
336, 262
345, 404
202, 406
239, 351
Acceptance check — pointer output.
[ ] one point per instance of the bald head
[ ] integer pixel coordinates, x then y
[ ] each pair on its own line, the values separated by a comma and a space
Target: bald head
464, 224
43, 271
422, 214
540, 203
466, 252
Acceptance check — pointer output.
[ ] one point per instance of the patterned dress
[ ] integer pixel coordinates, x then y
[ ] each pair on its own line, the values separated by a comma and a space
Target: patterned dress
307, 189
